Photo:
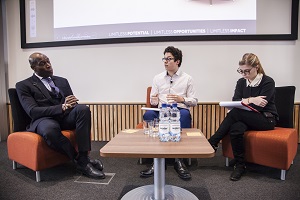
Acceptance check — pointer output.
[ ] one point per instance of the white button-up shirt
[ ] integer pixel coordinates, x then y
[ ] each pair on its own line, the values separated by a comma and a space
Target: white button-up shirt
180, 84
44, 81
255, 82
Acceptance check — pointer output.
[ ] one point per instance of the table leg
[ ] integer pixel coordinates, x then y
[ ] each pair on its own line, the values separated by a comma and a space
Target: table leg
159, 191
159, 178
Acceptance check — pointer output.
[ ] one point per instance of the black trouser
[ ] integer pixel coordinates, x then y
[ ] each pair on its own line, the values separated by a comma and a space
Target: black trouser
79, 118
235, 124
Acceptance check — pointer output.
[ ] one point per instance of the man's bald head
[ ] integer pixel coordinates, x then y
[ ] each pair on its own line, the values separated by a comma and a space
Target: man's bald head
40, 64
35, 58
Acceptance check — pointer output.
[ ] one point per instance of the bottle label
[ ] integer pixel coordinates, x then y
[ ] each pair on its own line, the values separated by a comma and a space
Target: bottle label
163, 128
175, 132
175, 128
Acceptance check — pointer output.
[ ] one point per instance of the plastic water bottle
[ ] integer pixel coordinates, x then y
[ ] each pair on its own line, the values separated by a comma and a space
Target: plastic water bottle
175, 127
163, 127
169, 107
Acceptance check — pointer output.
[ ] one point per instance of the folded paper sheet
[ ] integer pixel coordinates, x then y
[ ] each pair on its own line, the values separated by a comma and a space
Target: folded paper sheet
236, 104
146, 108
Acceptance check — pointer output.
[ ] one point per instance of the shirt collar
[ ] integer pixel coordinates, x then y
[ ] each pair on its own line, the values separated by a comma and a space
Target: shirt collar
255, 82
39, 76
178, 73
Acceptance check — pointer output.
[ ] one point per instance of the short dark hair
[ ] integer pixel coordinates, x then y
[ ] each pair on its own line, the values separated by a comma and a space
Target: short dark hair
175, 52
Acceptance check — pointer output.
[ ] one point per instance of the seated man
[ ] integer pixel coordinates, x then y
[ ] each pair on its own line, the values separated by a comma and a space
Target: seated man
173, 85
52, 107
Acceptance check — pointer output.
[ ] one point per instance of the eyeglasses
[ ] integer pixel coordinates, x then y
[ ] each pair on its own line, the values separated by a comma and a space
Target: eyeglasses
43, 62
167, 59
246, 71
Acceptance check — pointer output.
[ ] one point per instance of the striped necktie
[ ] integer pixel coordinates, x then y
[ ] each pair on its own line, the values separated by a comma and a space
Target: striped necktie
54, 89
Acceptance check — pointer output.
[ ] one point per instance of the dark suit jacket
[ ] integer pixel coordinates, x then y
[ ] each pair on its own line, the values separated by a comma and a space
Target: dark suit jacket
37, 102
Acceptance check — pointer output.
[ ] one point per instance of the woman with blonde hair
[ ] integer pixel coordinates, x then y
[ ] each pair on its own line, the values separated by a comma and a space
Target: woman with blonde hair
257, 90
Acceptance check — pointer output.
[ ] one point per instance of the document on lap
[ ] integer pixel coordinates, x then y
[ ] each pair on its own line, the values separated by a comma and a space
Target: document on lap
236, 104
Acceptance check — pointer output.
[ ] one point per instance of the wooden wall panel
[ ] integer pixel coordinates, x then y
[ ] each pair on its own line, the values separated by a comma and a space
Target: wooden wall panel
297, 119
109, 119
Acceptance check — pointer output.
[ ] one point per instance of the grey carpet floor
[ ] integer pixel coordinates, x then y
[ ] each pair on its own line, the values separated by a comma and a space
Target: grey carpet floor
210, 180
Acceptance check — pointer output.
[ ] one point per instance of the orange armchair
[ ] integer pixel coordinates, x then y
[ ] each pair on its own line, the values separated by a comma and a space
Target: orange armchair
274, 148
27, 148
140, 125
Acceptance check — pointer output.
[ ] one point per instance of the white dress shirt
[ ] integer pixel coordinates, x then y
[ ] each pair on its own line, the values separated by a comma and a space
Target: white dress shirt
180, 84
255, 82
44, 81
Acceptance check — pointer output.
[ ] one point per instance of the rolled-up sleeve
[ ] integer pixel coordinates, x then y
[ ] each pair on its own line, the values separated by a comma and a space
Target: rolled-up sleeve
190, 100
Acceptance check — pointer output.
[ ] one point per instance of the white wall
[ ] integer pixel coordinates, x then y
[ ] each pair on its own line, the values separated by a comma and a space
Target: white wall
121, 72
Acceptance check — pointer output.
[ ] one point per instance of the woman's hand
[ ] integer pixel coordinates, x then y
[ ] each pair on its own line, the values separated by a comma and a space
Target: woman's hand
259, 101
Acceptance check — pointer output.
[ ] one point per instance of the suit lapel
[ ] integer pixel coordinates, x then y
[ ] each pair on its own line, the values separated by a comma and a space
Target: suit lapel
42, 88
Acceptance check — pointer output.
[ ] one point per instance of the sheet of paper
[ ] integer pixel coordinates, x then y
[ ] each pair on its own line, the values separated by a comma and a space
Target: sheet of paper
194, 134
233, 104
146, 108
236, 104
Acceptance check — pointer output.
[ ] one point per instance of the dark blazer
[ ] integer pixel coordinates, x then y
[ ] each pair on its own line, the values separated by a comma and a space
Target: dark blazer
37, 101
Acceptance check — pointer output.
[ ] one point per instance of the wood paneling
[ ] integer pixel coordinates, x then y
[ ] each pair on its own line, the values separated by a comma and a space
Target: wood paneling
109, 119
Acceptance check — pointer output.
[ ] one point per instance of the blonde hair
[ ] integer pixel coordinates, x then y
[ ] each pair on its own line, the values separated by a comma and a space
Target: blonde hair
252, 60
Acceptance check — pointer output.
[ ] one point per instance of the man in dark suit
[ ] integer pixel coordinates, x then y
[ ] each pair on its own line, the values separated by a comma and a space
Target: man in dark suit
50, 103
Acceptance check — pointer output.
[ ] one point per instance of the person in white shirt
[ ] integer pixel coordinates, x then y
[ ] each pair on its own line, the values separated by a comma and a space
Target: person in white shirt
173, 85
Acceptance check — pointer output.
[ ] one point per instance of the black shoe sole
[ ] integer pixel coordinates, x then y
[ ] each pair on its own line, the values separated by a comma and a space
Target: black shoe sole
237, 179
146, 176
185, 177
89, 176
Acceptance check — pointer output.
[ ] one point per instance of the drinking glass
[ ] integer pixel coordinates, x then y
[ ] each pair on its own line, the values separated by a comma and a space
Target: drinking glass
154, 132
148, 126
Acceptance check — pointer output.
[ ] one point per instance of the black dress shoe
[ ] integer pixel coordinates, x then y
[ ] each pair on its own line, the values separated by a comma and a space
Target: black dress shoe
96, 163
182, 171
148, 172
238, 171
90, 171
